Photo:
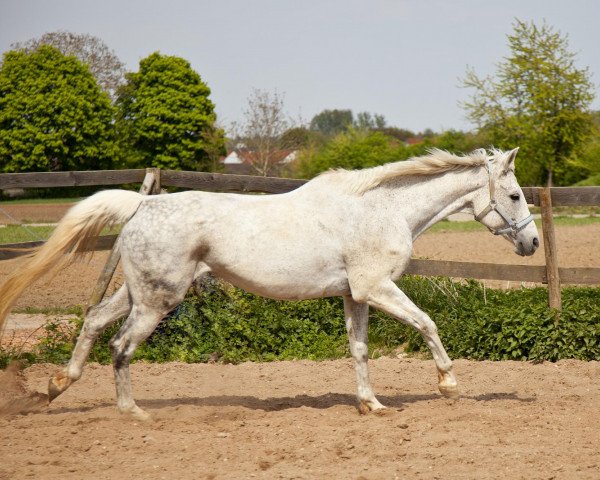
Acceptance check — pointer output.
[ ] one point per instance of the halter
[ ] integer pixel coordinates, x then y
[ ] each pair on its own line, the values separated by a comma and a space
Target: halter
513, 227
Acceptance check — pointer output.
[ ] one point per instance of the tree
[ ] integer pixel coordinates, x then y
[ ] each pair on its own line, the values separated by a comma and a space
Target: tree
104, 64
587, 160
332, 122
366, 120
53, 115
398, 133
301, 137
263, 132
165, 118
457, 141
350, 150
539, 101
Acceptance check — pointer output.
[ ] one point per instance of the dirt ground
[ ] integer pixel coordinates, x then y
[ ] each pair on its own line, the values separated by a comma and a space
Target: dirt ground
298, 420
17, 213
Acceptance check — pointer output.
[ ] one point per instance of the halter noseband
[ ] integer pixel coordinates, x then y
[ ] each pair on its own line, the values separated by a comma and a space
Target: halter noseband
513, 227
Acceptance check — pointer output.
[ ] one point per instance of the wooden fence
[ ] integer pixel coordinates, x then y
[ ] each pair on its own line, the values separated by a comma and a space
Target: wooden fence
551, 274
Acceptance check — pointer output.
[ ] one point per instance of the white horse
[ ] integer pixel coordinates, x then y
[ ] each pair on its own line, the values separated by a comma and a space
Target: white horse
346, 233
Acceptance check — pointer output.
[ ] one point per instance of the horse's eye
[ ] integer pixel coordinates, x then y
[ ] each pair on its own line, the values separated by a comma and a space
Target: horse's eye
515, 197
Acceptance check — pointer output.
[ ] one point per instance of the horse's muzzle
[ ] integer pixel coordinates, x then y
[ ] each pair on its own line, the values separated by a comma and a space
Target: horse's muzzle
526, 249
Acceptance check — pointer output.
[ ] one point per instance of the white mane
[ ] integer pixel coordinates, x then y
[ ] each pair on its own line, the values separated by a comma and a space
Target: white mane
437, 161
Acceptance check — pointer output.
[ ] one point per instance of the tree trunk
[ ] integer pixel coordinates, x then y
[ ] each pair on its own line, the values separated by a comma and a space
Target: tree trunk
549, 179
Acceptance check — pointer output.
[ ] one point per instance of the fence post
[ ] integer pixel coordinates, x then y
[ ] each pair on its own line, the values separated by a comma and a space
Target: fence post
150, 185
550, 249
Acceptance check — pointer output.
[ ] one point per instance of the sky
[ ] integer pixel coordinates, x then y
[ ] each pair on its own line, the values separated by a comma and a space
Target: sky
399, 58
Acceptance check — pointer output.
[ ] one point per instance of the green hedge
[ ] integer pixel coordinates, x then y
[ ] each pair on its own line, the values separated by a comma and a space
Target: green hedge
486, 324
226, 324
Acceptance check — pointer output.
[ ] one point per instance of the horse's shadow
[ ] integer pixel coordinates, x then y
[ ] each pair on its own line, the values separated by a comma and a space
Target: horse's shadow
275, 404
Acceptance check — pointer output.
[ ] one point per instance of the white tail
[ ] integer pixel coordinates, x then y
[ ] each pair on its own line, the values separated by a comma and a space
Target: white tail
75, 233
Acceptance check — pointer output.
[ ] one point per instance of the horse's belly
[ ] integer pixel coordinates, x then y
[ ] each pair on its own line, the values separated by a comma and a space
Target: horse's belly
286, 283
277, 253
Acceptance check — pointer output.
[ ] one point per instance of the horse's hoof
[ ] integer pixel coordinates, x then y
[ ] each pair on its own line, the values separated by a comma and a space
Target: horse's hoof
365, 407
53, 391
138, 414
57, 385
449, 391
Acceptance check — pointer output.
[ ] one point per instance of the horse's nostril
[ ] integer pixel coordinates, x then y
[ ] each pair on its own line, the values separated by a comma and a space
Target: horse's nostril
536, 242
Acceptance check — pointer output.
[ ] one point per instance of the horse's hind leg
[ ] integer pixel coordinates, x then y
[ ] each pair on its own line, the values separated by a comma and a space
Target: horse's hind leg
357, 318
97, 319
139, 325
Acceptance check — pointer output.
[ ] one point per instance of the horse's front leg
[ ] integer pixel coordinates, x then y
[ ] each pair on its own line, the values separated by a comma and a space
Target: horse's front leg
388, 298
357, 319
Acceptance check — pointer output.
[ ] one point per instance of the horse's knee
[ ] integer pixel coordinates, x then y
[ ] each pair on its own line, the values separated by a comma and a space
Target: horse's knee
359, 351
431, 328
427, 326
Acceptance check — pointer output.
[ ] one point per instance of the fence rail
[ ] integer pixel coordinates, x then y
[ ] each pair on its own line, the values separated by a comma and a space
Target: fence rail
221, 182
551, 273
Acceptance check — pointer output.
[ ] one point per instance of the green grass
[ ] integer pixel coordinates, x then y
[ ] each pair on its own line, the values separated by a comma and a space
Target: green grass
72, 310
472, 226
18, 234
448, 226
572, 221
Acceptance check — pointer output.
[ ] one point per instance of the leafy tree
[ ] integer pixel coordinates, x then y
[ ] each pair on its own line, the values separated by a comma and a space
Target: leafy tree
587, 161
351, 149
539, 101
332, 122
401, 134
366, 120
104, 64
53, 115
165, 118
302, 137
458, 141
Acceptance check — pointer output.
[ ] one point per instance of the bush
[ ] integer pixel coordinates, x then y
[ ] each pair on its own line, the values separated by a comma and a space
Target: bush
350, 150
484, 324
227, 324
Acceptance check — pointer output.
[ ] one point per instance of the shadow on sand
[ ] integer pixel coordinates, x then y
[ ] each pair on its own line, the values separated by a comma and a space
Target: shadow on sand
274, 404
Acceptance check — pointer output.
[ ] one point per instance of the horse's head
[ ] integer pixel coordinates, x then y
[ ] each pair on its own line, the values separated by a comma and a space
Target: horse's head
500, 204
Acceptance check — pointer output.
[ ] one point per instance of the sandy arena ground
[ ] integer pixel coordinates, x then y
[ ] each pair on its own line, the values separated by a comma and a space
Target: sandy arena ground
298, 420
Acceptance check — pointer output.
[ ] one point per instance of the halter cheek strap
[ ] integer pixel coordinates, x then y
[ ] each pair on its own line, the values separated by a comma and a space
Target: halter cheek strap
513, 227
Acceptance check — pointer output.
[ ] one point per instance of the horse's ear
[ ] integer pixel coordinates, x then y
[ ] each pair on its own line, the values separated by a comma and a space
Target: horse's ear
509, 160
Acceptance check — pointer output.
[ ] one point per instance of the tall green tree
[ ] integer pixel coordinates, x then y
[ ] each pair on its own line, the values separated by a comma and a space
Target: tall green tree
332, 122
588, 160
539, 100
53, 115
368, 121
165, 118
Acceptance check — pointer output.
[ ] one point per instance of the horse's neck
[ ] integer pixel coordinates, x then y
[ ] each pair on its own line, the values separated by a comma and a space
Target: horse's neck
424, 201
